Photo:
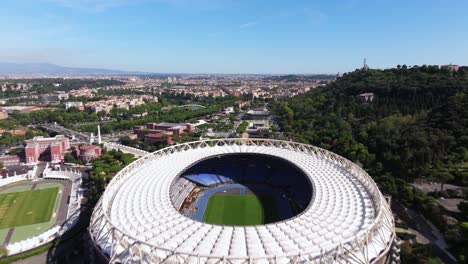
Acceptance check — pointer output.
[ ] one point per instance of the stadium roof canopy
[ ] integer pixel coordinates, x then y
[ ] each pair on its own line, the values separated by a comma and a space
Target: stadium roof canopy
347, 219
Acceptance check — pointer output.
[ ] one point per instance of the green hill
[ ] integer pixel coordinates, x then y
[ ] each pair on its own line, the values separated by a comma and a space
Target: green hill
415, 128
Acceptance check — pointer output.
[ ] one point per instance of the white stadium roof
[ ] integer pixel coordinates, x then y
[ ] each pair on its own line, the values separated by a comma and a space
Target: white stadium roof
348, 218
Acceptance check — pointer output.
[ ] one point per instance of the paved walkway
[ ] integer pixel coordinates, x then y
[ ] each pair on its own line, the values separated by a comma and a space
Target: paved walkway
37, 259
426, 229
8, 236
419, 237
63, 205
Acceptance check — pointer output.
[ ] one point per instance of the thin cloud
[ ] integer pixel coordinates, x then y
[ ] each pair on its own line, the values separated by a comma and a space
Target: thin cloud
103, 5
91, 5
352, 3
249, 24
315, 17
312, 16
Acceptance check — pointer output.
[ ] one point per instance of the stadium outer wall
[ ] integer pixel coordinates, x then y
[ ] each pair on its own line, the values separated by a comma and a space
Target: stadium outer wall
114, 245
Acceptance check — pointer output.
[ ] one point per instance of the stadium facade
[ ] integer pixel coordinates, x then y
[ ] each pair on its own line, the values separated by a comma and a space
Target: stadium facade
348, 220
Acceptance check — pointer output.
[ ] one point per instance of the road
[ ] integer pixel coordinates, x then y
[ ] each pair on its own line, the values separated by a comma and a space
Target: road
238, 122
83, 136
65, 131
426, 229
115, 137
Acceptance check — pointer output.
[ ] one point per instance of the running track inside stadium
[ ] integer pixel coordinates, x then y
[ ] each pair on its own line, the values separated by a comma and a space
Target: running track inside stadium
283, 207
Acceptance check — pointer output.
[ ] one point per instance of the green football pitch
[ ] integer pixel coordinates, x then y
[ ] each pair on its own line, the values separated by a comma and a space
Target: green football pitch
27, 207
240, 210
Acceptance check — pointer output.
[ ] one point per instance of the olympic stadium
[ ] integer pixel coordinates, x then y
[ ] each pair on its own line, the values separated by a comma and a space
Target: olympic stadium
243, 201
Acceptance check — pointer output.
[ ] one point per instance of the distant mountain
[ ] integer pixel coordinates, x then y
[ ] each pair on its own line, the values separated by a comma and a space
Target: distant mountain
7, 68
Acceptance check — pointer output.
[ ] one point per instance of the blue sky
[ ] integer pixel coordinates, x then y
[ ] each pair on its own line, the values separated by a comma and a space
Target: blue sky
234, 36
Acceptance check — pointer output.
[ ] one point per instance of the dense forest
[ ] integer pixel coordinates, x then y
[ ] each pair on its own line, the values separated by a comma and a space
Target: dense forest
412, 127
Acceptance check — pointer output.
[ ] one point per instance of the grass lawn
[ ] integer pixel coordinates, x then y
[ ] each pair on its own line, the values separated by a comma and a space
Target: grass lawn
27, 207
239, 210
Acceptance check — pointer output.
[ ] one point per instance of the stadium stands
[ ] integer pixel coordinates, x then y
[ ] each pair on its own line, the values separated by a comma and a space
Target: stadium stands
10, 180
180, 191
348, 221
253, 169
204, 179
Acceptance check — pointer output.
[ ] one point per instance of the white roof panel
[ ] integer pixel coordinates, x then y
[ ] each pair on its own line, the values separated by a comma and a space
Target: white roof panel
346, 204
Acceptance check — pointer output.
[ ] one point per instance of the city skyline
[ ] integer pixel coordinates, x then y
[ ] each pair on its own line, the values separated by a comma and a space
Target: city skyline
209, 36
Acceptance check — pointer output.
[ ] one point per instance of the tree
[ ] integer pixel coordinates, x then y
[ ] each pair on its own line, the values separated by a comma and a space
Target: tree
3, 251
463, 206
443, 177
417, 126
242, 127
69, 158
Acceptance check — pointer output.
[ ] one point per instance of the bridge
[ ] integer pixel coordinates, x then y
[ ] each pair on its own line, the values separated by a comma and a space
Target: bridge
125, 149
192, 107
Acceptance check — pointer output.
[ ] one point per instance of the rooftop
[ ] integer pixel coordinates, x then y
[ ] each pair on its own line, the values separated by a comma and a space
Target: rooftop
89, 147
259, 112
346, 206
170, 124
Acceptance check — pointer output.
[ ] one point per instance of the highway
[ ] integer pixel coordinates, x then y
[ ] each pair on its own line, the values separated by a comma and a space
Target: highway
65, 131
82, 136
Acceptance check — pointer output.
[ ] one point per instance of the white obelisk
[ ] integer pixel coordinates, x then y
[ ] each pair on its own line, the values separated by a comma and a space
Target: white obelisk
99, 134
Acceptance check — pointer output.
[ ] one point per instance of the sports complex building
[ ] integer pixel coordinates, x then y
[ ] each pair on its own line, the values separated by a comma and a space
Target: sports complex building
34, 211
31, 208
243, 201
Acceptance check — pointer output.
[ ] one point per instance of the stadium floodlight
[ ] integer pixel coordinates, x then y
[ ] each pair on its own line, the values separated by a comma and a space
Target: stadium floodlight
347, 221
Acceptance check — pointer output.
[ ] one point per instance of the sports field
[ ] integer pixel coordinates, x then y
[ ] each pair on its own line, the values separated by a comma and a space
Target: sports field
27, 207
239, 210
